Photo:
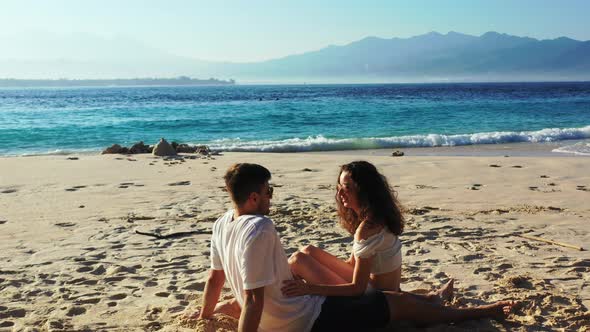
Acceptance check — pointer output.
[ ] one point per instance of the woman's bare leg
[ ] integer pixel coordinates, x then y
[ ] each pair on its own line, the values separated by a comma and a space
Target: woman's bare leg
308, 268
445, 293
404, 306
331, 262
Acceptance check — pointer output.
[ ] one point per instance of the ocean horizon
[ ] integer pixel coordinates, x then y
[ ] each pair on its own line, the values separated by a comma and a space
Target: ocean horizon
295, 118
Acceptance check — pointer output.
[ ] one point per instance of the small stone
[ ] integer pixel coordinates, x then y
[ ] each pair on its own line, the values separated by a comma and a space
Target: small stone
397, 153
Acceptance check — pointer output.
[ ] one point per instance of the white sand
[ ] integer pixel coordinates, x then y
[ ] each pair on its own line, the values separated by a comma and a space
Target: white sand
70, 258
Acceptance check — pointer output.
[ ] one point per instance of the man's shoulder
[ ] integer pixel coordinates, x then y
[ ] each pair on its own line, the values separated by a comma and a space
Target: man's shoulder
258, 223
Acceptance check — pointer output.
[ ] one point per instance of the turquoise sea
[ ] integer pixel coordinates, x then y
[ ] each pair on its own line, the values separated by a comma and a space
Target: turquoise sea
283, 118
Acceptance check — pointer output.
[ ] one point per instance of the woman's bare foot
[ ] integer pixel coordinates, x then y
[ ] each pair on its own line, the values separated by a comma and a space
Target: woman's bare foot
499, 310
445, 293
230, 308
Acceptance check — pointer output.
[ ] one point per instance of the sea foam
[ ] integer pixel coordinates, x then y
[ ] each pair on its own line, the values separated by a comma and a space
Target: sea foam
580, 148
321, 143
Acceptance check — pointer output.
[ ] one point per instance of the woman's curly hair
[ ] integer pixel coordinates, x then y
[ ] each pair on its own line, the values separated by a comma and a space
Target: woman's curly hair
378, 202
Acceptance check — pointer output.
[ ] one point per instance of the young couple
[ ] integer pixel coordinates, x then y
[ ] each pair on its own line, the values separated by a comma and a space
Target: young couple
313, 290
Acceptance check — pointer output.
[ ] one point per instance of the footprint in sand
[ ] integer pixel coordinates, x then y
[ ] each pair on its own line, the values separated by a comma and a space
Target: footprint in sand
99, 270
469, 258
516, 166
494, 165
481, 269
162, 294
82, 281
114, 279
94, 300
153, 326
152, 314
15, 313
6, 324
2, 222
73, 158
75, 188
57, 325
423, 186
582, 188
118, 297
65, 224
151, 283
8, 191
118, 246
84, 269
180, 183
75, 311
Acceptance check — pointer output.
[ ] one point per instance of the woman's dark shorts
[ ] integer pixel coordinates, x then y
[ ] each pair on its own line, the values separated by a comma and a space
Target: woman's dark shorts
353, 313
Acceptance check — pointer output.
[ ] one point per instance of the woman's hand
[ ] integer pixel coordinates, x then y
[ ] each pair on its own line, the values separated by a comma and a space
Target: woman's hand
293, 288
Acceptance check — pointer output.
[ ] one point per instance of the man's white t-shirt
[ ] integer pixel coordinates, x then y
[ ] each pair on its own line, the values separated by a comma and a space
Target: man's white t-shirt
250, 253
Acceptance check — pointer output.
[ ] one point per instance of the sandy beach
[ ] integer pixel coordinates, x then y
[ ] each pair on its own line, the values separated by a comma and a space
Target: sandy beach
71, 259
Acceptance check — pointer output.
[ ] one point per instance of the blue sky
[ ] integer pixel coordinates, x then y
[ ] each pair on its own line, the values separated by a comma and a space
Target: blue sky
262, 29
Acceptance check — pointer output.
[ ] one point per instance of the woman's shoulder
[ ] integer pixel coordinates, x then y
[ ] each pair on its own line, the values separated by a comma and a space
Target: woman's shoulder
367, 229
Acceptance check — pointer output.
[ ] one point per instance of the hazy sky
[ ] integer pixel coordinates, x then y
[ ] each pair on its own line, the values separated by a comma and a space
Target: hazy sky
256, 30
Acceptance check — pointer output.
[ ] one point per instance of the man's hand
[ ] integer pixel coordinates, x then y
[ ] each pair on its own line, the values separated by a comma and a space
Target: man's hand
296, 287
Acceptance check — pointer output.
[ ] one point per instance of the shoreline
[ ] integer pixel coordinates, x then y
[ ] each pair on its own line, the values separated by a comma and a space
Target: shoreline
520, 149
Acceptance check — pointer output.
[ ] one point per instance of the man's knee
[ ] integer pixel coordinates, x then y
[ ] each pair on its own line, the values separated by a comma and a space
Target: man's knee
308, 249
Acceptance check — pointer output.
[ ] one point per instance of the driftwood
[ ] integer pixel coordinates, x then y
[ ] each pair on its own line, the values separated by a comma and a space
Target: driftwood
535, 238
171, 235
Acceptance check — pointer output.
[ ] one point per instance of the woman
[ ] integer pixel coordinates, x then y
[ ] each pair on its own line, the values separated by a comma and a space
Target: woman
368, 210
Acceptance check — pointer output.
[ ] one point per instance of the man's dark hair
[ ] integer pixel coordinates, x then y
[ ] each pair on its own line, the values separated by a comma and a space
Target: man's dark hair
243, 179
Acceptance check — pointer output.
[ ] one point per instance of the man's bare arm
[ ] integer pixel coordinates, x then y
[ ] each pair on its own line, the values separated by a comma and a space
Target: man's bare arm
252, 311
212, 292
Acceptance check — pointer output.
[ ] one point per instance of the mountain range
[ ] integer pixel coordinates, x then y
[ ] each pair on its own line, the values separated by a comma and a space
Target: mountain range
430, 57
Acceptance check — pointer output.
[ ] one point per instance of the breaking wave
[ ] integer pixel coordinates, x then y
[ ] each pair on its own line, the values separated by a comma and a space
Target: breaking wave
321, 143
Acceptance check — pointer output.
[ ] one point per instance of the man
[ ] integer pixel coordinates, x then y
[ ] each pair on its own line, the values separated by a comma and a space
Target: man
246, 251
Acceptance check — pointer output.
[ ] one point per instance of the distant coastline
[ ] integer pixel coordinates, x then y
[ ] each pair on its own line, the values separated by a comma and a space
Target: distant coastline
182, 80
